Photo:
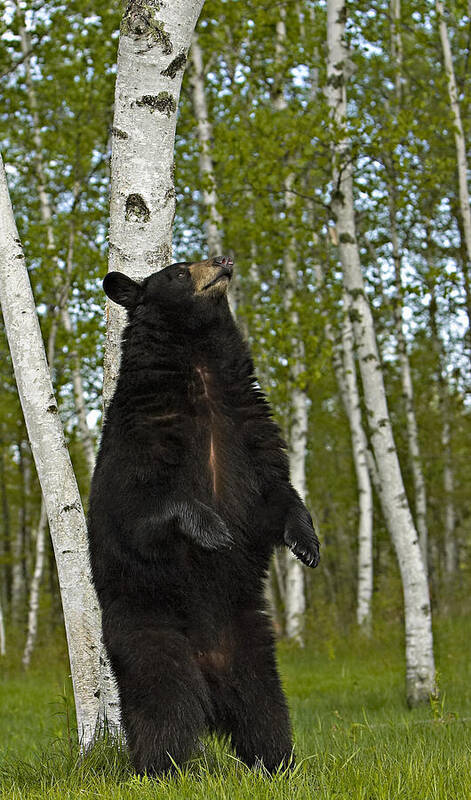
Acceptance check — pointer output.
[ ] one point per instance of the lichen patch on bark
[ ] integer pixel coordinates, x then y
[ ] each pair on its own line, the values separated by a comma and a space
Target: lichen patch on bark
136, 209
139, 20
177, 64
163, 102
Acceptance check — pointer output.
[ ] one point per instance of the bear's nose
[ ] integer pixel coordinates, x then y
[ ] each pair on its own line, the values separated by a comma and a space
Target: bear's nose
224, 261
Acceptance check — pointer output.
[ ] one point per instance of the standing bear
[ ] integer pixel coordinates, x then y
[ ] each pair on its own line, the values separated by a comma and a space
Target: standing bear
190, 495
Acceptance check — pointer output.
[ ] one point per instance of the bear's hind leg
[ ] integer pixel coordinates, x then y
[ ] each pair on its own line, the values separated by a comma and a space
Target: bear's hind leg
164, 699
249, 704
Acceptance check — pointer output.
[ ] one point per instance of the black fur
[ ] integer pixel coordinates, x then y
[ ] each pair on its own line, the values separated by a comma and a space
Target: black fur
190, 495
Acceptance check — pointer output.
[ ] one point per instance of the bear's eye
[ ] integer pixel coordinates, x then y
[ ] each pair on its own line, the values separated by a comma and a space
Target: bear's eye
181, 274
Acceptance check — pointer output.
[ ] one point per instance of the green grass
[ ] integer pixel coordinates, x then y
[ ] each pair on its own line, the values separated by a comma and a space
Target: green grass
355, 737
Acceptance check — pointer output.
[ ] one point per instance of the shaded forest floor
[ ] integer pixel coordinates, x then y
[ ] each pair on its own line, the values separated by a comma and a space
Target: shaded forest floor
355, 737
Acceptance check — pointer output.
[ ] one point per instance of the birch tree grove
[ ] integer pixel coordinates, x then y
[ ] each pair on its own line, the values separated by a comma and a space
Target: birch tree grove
62, 499
420, 670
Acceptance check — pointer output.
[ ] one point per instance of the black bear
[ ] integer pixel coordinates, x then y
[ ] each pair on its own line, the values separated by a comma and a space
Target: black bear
190, 495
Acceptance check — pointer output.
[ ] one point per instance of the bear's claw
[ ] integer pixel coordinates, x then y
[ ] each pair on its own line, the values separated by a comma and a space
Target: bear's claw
301, 538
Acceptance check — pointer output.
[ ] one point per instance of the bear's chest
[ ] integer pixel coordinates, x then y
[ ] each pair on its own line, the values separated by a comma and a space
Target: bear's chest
218, 444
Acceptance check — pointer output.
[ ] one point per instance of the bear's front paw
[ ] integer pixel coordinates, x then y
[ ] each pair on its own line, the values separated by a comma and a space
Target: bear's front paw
301, 538
208, 529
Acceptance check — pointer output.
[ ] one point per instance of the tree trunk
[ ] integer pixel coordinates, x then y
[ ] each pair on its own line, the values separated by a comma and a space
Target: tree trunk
58, 483
34, 588
460, 141
46, 216
420, 494
420, 670
213, 221
365, 494
343, 361
295, 597
450, 543
153, 45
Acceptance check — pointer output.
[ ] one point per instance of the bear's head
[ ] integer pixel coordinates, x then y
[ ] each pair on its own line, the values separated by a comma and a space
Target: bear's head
187, 292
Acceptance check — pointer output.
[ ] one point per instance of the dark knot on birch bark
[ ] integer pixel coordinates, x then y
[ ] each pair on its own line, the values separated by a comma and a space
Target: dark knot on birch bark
136, 209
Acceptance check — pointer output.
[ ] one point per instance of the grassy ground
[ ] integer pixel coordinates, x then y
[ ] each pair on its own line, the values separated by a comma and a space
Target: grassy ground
355, 737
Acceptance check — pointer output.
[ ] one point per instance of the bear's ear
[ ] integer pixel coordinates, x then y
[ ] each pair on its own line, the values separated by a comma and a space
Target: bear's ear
122, 289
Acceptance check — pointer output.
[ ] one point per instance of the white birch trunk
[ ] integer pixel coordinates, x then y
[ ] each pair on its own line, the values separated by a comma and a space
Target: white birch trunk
18, 587
420, 670
420, 494
153, 46
34, 588
54, 468
295, 597
154, 42
213, 221
360, 458
460, 142
345, 374
46, 216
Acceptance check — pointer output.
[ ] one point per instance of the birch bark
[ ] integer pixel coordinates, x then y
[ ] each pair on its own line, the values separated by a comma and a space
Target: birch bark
420, 670
154, 42
58, 484
420, 493
460, 142
343, 361
295, 598
46, 216
34, 588
213, 221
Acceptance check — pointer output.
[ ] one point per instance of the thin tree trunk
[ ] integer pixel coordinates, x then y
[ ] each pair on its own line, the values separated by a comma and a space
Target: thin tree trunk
18, 589
54, 468
46, 216
6, 534
295, 597
34, 588
460, 142
32, 626
153, 46
420, 669
365, 494
345, 372
213, 221
450, 544
420, 493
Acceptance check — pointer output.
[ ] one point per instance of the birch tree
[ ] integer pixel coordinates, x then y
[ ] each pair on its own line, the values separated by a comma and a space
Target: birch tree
295, 597
47, 218
59, 487
460, 141
153, 50
420, 669
343, 361
213, 221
